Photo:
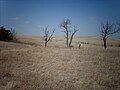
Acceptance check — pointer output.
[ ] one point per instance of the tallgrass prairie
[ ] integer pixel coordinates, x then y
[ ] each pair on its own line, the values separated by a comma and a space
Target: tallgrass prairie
26, 64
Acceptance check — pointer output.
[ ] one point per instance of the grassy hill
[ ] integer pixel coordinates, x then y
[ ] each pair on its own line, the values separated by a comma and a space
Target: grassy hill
26, 64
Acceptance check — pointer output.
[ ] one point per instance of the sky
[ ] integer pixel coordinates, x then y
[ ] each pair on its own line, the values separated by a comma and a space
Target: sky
28, 17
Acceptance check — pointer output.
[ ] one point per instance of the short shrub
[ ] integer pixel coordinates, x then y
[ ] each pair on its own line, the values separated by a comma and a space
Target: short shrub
6, 35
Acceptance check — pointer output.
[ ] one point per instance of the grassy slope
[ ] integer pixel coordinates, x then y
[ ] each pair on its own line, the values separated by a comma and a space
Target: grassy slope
27, 65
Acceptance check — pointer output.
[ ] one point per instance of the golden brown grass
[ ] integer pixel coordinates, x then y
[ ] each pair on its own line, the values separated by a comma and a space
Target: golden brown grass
26, 66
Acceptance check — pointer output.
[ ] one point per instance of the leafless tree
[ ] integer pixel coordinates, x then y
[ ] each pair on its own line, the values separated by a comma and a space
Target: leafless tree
107, 30
47, 35
66, 25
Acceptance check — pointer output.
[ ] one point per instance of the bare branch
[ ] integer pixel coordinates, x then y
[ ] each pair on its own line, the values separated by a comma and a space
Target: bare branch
65, 24
64, 32
51, 35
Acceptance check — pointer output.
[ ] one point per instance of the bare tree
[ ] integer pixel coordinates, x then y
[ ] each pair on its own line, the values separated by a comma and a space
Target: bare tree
107, 30
47, 36
66, 24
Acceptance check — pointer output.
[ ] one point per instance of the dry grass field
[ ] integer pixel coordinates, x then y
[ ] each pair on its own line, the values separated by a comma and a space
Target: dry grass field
27, 65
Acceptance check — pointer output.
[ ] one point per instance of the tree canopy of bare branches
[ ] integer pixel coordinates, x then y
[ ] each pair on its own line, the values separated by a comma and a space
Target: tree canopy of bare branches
107, 30
66, 25
47, 35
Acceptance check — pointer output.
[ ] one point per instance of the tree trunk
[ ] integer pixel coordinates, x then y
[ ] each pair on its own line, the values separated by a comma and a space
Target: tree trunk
67, 38
71, 40
45, 44
105, 43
